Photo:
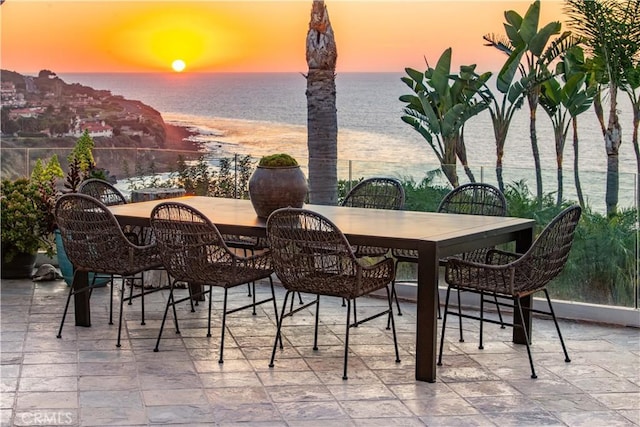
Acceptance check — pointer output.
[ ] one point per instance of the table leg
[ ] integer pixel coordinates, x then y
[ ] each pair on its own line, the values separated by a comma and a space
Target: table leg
81, 299
524, 240
427, 322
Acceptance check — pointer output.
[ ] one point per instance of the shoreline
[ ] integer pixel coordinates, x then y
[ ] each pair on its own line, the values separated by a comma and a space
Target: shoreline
177, 138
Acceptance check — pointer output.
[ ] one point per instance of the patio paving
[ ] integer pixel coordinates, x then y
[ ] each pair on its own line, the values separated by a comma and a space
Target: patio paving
82, 379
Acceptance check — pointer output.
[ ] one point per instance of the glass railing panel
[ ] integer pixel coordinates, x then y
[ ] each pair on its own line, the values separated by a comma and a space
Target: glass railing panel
604, 263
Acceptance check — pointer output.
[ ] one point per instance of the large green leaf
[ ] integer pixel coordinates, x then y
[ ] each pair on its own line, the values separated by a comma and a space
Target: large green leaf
529, 26
509, 69
440, 78
541, 38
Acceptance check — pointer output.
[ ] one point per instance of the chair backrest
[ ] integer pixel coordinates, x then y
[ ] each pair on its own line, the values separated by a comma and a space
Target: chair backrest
103, 191
474, 199
309, 253
549, 253
376, 193
91, 235
188, 242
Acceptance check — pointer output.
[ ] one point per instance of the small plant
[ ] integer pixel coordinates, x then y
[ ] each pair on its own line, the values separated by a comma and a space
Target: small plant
82, 164
277, 161
23, 224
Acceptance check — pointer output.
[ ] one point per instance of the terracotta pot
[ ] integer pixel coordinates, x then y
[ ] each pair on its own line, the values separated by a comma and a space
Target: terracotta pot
20, 267
272, 188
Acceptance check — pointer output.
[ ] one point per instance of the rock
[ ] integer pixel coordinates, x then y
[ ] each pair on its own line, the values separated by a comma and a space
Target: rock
45, 273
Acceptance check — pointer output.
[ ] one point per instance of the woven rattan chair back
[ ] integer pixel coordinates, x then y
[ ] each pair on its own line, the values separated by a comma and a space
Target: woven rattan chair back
549, 253
104, 191
475, 198
310, 254
93, 239
376, 193
189, 243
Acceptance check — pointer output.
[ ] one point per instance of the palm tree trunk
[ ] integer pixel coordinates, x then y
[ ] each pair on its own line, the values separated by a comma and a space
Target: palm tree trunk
612, 141
559, 136
461, 152
576, 174
532, 97
322, 119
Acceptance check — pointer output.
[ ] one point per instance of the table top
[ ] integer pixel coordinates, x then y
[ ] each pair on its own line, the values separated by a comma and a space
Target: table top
388, 228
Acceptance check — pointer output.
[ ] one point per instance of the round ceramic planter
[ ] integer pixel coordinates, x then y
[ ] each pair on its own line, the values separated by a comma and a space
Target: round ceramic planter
272, 188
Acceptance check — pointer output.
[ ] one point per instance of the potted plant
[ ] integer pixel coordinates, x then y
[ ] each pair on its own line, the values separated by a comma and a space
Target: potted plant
276, 183
81, 166
24, 227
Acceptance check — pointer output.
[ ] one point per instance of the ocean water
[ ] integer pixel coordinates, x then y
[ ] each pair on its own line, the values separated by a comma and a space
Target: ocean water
259, 113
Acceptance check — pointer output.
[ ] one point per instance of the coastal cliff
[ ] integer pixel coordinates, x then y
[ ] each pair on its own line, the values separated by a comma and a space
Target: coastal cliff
43, 114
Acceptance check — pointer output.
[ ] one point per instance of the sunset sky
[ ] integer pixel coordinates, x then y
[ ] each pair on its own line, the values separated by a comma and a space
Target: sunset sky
247, 36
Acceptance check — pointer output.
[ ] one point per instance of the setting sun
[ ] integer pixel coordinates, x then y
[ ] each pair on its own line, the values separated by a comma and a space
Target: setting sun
178, 65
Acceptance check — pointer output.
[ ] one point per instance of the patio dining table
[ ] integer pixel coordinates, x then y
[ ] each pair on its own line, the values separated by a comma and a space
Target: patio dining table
433, 235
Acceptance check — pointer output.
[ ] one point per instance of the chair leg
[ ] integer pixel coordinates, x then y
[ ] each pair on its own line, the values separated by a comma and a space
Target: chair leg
224, 322
355, 315
553, 315
122, 298
444, 324
346, 339
481, 345
253, 285
393, 291
278, 329
142, 298
66, 308
111, 301
393, 323
315, 334
526, 336
170, 301
209, 316
459, 315
495, 298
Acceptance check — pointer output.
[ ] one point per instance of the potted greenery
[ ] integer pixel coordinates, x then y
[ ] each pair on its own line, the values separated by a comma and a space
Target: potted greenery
24, 227
276, 183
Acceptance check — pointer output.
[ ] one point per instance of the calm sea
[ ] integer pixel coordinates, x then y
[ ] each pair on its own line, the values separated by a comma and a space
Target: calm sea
258, 113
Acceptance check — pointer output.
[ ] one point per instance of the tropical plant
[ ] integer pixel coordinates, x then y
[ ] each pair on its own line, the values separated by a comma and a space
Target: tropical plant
82, 164
322, 119
23, 224
437, 110
501, 115
611, 33
530, 53
563, 100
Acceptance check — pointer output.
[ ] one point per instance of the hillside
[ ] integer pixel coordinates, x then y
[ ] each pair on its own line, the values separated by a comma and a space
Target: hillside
40, 113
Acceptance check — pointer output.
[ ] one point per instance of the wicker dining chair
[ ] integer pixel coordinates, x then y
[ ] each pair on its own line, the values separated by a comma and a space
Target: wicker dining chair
95, 242
472, 199
513, 276
311, 255
193, 251
109, 195
375, 193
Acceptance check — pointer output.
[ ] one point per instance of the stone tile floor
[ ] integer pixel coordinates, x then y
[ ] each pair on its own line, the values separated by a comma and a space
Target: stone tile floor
83, 379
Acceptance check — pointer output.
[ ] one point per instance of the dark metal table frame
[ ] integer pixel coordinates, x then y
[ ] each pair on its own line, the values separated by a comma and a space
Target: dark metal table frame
433, 235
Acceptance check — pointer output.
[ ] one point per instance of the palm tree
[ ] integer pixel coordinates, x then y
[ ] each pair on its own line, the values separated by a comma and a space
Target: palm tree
611, 30
437, 110
530, 54
322, 119
563, 102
